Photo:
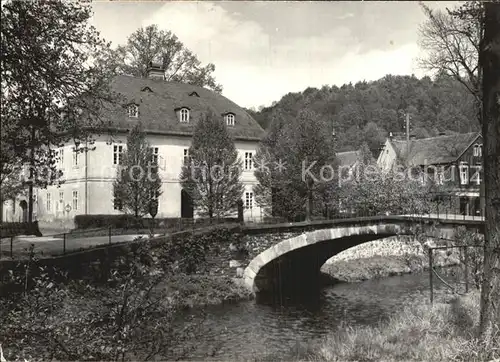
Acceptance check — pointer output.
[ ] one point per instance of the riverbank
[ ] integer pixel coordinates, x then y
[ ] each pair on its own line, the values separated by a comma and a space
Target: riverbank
384, 258
421, 332
194, 291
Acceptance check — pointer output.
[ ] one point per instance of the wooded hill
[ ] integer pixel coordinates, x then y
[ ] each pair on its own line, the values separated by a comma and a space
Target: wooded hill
368, 111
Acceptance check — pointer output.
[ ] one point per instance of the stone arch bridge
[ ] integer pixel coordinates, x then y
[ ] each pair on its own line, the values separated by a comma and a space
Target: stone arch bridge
294, 264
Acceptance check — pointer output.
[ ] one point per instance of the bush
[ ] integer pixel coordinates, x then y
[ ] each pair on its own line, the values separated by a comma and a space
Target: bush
122, 221
9, 229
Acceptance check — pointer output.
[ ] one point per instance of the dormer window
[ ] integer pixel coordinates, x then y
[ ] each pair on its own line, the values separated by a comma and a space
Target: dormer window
133, 110
229, 118
478, 150
194, 94
146, 89
184, 115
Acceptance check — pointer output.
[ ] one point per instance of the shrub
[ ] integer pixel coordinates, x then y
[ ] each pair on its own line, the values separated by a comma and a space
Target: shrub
9, 229
123, 221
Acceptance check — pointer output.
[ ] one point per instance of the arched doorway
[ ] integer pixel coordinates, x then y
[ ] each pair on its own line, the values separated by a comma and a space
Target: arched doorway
24, 210
187, 209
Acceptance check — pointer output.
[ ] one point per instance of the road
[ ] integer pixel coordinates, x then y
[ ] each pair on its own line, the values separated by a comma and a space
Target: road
48, 245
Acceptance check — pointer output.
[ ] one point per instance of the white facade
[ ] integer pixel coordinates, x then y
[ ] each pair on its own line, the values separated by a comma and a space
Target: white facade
91, 192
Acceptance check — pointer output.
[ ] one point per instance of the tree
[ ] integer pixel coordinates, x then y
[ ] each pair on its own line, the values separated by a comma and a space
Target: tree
452, 41
212, 175
11, 174
490, 62
53, 82
138, 182
151, 44
295, 165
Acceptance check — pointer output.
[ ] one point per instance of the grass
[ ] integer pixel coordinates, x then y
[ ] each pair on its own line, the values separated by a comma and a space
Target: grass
421, 332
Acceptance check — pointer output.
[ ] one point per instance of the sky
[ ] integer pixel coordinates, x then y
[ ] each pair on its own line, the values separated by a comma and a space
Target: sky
264, 50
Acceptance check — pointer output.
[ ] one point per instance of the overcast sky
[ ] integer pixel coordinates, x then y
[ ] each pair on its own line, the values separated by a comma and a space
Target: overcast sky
263, 50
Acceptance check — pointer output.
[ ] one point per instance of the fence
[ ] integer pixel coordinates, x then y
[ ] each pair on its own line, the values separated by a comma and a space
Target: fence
433, 273
75, 240
432, 206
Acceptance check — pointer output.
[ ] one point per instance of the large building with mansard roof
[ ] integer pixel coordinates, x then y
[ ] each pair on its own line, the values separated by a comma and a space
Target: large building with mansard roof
168, 112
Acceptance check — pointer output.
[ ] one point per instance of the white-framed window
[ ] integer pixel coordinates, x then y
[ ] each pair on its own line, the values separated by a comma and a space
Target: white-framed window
76, 157
154, 155
229, 119
248, 160
61, 200
133, 110
117, 154
478, 150
49, 202
75, 200
248, 200
61, 157
439, 177
464, 173
184, 115
185, 158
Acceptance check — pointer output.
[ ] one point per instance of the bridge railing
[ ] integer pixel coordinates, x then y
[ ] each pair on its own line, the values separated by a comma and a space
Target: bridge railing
430, 206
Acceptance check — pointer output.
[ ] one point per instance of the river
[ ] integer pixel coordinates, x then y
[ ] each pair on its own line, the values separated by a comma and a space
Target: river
271, 329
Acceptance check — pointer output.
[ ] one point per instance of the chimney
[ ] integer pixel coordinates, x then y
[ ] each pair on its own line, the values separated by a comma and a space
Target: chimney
413, 137
391, 136
155, 71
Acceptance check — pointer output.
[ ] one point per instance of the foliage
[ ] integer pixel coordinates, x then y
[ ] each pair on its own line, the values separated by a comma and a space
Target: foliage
53, 84
151, 44
130, 317
472, 254
138, 182
11, 171
452, 41
295, 165
123, 221
435, 105
212, 174
8, 229
369, 191
190, 248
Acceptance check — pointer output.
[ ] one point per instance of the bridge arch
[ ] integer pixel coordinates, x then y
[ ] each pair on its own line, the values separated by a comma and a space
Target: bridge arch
295, 263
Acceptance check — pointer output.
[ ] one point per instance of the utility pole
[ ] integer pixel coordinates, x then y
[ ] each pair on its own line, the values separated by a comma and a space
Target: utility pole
86, 174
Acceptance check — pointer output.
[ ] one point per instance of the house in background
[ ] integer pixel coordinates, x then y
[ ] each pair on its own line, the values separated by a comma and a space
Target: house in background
348, 159
168, 112
452, 161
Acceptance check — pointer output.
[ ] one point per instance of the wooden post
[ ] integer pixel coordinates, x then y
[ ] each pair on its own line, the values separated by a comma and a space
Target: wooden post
11, 241
109, 233
430, 275
64, 243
